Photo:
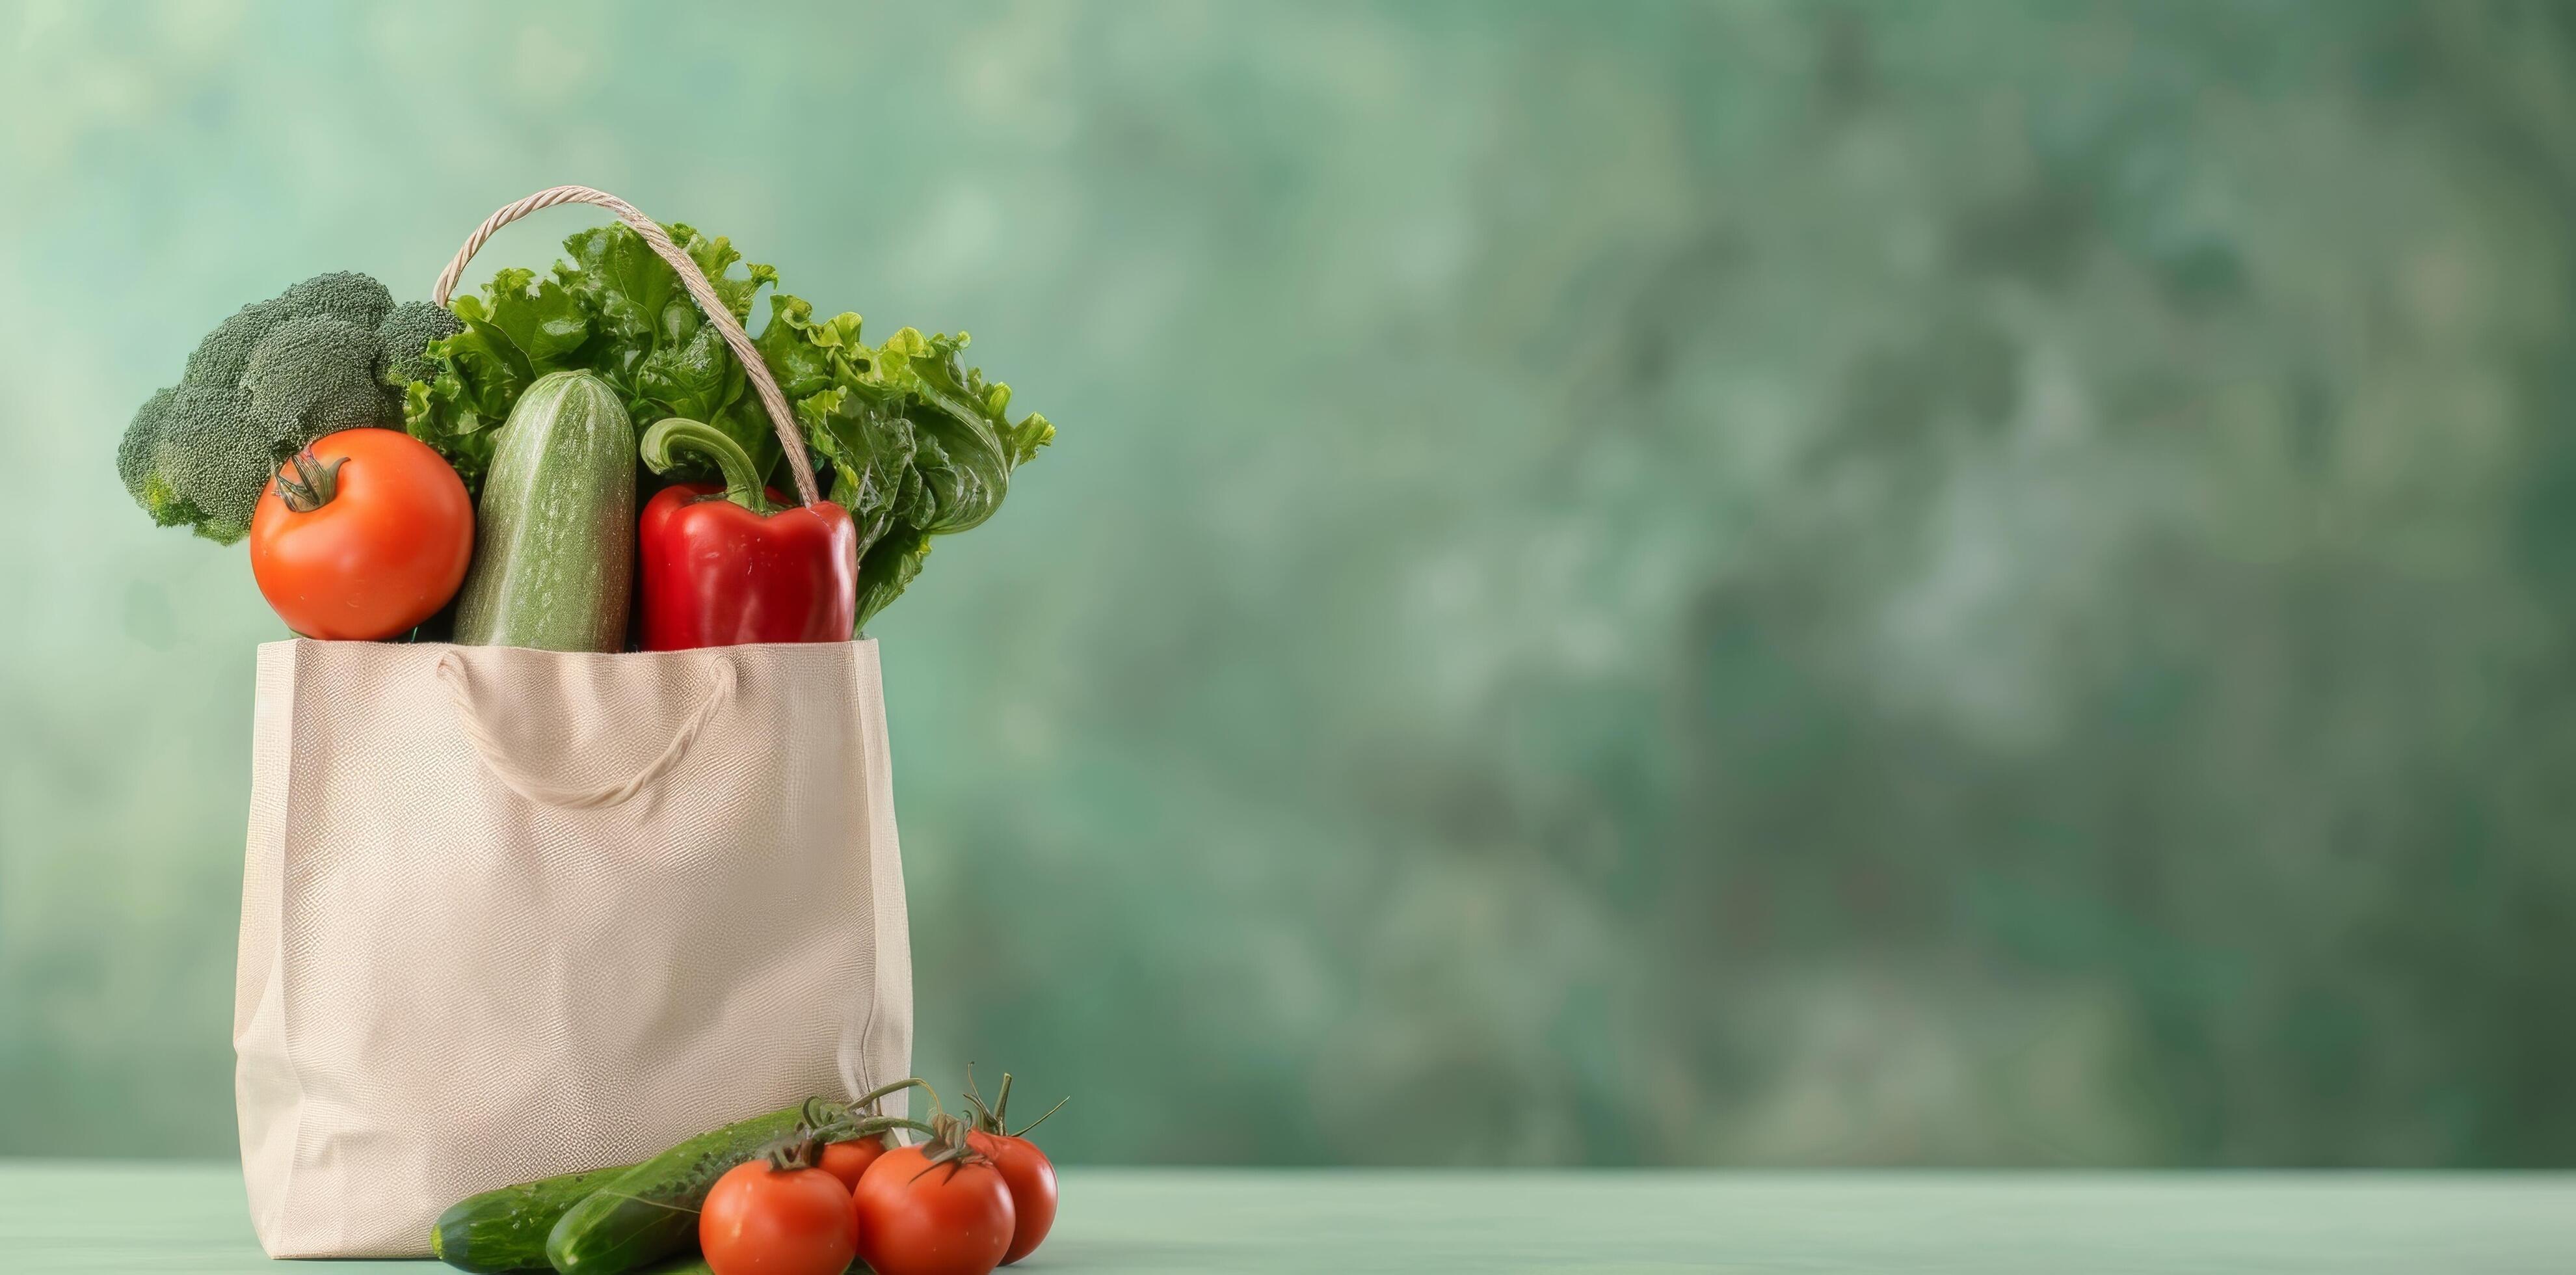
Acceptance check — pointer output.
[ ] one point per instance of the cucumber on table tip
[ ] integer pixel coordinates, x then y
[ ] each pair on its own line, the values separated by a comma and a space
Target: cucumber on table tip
506, 1229
554, 530
651, 1210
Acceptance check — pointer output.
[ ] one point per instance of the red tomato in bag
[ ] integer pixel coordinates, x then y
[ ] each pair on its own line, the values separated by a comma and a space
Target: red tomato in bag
363, 536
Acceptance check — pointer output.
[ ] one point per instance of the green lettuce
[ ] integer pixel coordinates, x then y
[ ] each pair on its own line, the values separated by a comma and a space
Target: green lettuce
912, 442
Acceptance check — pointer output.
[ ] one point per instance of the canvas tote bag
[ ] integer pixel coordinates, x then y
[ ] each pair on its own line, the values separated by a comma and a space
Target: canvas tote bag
508, 913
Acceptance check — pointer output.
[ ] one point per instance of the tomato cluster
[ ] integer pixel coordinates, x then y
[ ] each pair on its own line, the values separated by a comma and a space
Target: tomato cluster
972, 1198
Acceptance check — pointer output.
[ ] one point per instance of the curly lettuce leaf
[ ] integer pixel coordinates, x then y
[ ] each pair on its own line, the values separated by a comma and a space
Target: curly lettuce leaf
807, 355
886, 568
970, 446
870, 448
535, 323
518, 330
655, 347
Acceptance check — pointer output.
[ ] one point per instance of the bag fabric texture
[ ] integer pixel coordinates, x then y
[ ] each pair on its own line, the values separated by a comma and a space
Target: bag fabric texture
508, 913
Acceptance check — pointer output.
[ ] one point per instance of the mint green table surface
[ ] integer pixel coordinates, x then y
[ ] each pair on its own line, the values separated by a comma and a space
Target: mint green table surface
185, 1219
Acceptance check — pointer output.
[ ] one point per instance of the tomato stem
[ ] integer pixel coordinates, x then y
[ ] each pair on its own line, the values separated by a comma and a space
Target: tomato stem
989, 1118
948, 1145
1059, 1106
848, 1129
802, 1149
315, 484
869, 1099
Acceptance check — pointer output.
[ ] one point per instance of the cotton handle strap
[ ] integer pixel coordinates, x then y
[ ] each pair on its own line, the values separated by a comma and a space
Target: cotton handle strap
704, 293
451, 670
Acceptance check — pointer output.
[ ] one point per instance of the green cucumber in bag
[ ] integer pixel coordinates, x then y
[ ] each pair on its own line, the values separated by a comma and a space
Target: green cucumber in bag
506, 1229
651, 1210
554, 531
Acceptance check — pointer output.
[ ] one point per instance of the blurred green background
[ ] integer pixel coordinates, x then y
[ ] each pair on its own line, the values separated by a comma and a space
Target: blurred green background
1636, 584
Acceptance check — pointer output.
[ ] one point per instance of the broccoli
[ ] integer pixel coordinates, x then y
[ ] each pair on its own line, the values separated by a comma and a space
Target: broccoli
328, 354
407, 330
344, 295
319, 373
198, 456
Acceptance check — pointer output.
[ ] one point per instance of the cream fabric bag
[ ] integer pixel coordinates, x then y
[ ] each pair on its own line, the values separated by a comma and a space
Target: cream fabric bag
508, 913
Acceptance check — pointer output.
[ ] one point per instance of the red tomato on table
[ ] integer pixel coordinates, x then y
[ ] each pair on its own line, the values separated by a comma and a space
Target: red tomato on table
847, 1160
920, 1218
1024, 1169
1031, 1179
760, 1219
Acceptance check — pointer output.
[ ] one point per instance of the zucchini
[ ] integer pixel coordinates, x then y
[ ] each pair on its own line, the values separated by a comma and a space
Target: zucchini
651, 1210
505, 1229
554, 532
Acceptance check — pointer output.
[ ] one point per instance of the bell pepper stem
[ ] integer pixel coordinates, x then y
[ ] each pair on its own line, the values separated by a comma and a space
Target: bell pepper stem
667, 438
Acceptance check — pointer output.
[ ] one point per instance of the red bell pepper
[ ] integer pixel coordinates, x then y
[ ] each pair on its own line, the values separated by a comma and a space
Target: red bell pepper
725, 565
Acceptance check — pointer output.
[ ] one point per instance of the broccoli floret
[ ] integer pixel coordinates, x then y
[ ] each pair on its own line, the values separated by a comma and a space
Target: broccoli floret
328, 354
199, 460
219, 357
311, 376
135, 456
407, 330
342, 295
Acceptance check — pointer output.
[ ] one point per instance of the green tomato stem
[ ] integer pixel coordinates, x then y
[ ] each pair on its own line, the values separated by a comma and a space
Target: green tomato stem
869, 1099
316, 483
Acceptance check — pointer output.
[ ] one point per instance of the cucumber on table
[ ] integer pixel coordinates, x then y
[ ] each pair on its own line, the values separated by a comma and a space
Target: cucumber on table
506, 1229
651, 1210
554, 530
